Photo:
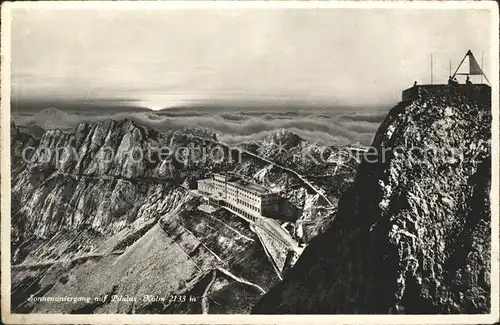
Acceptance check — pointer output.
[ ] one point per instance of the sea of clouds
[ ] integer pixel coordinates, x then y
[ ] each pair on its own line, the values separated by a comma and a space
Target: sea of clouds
322, 126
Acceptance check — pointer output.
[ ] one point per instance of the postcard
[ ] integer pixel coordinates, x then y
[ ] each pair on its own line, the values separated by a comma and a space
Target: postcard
234, 162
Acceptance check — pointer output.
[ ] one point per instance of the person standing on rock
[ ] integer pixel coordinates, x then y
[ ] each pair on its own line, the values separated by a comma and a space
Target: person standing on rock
452, 81
468, 87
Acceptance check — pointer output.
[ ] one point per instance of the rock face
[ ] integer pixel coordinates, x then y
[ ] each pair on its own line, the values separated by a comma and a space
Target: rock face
412, 235
61, 180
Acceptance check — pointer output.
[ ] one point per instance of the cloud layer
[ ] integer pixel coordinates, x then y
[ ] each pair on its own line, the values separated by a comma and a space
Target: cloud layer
322, 126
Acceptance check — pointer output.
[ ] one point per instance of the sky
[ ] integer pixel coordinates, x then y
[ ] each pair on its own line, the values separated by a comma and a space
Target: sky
167, 58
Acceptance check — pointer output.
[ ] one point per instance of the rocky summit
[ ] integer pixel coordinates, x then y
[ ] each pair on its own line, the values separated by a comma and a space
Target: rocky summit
412, 233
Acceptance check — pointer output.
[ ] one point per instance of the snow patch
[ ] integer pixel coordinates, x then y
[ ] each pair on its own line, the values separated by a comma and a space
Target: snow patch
390, 131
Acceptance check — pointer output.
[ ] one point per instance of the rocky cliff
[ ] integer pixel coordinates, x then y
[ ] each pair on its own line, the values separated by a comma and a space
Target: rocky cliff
412, 234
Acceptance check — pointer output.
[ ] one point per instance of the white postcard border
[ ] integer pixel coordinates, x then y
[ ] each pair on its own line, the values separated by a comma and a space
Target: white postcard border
8, 317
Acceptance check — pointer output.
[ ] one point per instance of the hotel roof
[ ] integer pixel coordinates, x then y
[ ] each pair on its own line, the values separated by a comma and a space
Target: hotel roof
237, 180
250, 186
208, 181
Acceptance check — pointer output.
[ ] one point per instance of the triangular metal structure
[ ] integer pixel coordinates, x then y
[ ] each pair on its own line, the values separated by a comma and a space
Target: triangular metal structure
474, 68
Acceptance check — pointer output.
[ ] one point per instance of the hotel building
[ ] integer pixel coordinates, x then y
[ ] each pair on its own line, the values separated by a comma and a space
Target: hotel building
247, 198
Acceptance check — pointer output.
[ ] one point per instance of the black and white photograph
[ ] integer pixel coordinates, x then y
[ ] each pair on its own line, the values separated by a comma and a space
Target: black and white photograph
260, 160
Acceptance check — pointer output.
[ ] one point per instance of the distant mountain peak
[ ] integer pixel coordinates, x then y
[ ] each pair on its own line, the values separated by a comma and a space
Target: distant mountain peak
51, 110
51, 118
284, 137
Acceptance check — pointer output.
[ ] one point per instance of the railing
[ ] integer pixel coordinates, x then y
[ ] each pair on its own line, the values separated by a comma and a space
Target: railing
476, 92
